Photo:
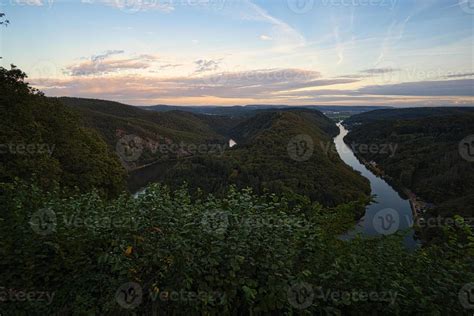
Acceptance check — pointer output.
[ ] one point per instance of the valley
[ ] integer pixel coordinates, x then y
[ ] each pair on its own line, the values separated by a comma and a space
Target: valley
428, 164
247, 157
247, 224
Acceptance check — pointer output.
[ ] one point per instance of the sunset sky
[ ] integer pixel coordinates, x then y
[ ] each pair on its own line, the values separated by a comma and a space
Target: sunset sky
235, 52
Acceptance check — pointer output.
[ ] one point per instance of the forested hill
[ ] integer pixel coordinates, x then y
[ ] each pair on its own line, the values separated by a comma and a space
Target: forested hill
284, 152
429, 158
117, 121
250, 128
247, 110
43, 141
405, 114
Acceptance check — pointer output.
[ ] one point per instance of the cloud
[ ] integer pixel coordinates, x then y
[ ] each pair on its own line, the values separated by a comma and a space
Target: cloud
470, 74
377, 71
106, 54
30, 2
462, 87
255, 84
168, 66
102, 64
355, 76
204, 65
265, 38
132, 6
284, 36
263, 85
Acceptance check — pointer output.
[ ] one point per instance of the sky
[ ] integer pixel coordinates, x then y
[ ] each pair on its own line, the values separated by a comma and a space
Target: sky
236, 52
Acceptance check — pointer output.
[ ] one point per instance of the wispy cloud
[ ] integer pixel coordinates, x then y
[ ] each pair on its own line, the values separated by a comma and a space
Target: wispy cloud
104, 63
462, 87
106, 54
30, 2
169, 66
256, 84
204, 65
284, 36
135, 5
288, 86
469, 74
376, 71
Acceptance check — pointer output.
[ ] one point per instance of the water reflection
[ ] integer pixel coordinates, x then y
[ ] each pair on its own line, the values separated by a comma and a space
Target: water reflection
390, 212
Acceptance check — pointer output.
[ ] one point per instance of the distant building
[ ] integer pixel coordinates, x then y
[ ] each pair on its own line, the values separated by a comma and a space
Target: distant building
232, 143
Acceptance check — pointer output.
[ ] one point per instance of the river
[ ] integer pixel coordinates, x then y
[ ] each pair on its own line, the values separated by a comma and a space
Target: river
389, 213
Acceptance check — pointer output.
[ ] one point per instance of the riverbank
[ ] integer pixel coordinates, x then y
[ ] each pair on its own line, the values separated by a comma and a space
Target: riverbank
418, 206
388, 204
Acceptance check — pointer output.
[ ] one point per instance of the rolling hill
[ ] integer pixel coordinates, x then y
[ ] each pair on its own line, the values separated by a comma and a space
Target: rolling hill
405, 114
266, 159
174, 147
114, 121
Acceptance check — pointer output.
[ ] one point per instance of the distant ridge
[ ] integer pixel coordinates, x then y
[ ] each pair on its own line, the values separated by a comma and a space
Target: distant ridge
244, 109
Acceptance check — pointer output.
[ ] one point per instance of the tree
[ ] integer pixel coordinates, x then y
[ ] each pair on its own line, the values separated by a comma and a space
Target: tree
44, 141
3, 20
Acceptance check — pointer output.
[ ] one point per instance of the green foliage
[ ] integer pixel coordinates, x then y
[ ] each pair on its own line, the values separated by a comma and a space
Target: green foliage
113, 120
427, 158
262, 161
43, 140
243, 252
406, 114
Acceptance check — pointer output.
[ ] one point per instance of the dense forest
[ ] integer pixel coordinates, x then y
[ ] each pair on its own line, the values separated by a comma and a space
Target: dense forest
44, 140
428, 159
261, 160
405, 114
114, 121
239, 254
333, 112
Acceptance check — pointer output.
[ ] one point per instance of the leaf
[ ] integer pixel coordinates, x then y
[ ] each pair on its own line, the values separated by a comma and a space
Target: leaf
128, 251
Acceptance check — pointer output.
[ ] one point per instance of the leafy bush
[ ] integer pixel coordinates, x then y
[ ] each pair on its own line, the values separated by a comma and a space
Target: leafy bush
239, 254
